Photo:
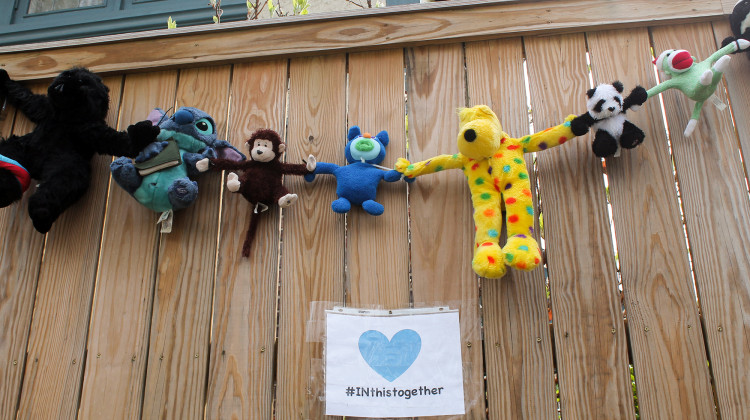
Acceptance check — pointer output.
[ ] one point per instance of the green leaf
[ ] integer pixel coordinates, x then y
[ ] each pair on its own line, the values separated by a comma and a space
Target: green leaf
216, 19
171, 24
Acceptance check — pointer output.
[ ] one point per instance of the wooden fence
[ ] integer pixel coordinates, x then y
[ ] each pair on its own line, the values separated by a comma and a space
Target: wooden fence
106, 318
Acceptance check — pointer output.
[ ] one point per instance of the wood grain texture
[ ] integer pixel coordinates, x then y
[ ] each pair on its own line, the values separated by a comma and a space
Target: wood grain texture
241, 371
57, 339
728, 6
716, 206
669, 360
592, 362
517, 339
312, 264
347, 31
181, 317
440, 207
21, 249
377, 251
737, 88
119, 333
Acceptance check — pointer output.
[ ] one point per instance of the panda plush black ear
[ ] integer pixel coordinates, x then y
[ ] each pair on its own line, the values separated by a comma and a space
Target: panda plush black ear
618, 86
590, 93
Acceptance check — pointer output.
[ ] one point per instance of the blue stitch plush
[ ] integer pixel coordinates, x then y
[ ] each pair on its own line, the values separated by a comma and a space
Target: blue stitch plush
160, 177
357, 182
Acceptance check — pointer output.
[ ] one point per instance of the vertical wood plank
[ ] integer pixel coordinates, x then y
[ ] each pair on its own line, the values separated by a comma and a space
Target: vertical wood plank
312, 266
716, 206
240, 384
181, 321
592, 362
121, 314
21, 248
520, 371
57, 340
670, 359
738, 90
377, 247
440, 208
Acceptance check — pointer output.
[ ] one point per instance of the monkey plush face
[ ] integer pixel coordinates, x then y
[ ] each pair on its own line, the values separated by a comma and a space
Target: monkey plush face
263, 150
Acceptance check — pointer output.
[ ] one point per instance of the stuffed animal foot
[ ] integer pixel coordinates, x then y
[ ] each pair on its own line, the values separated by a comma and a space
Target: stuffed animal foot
690, 127
604, 144
10, 188
342, 205
233, 182
125, 174
42, 214
373, 207
522, 252
488, 261
287, 200
182, 193
631, 135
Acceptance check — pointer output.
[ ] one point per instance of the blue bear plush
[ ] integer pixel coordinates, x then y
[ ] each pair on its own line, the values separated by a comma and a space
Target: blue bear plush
160, 177
357, 182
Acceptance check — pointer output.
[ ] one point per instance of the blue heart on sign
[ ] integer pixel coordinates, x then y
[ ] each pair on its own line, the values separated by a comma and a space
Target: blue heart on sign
390, 359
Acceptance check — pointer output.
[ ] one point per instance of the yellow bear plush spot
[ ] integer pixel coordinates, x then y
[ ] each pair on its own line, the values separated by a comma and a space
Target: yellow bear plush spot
496, 172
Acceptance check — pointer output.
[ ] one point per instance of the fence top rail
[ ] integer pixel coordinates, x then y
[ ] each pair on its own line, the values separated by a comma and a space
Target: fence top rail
398, 26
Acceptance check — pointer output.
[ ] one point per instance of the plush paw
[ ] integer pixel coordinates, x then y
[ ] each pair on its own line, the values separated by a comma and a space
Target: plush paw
743, 44
522, 252
142, 133
721, 64
3, 78
151, 150
341, 205
373, 207
182, 193
125, 174
690, 127
488, 261
580, 125
604, 146
233, 182
202, 165
639, 96
10, 188
311, 163
287, 200
42, 216
402, 165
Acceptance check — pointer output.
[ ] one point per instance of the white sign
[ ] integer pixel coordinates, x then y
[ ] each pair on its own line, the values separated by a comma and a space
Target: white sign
399, 364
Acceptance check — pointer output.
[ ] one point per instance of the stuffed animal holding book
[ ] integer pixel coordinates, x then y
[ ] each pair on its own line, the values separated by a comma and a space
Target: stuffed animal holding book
496, 172
70, 128
161, 177
679, 70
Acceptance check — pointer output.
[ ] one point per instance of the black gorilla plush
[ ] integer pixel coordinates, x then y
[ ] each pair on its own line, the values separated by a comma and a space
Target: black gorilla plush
70, 129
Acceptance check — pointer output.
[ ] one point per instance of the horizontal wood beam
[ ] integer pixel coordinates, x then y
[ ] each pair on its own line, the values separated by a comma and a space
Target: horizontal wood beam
458, 20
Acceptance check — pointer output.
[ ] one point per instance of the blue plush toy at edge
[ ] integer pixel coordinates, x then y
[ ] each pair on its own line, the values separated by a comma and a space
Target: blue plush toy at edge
160, 177
357, 182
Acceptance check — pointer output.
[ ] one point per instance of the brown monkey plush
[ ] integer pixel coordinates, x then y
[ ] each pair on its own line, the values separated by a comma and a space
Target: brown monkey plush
260, 181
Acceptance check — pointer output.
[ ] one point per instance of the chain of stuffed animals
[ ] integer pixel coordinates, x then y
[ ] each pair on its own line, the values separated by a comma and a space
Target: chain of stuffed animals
171, 151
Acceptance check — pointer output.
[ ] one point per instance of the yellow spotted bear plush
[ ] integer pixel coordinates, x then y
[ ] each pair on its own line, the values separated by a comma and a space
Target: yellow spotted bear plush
496, 171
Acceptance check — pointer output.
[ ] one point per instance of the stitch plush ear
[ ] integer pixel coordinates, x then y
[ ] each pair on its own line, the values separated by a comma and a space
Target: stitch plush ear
354, 132
383, 137
155, 115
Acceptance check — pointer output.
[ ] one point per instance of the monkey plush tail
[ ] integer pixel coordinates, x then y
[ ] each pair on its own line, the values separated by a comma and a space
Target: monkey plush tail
250, 235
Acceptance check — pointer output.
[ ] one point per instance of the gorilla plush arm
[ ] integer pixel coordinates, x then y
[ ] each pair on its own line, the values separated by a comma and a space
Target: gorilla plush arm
36, 107
294, 169
106, 140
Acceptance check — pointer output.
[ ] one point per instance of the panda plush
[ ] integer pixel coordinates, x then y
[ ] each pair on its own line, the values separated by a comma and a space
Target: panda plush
739, 21
606, 117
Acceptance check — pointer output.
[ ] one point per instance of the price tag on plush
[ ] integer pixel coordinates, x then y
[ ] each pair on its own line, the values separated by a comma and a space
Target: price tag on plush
399, 363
